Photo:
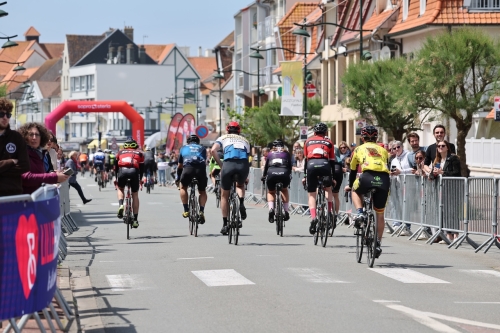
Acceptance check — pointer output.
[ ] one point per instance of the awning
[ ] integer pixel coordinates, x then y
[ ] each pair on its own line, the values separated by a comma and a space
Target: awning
94, 143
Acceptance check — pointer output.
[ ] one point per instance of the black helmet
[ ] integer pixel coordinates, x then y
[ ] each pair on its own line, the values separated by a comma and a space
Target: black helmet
369, 133
320, 128
193, 138
278, 143
130, 144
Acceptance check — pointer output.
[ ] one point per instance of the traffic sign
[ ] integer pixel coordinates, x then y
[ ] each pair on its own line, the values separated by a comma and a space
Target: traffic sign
311, 90
114, 146
497, 108
201, 131
113, 140
303, 132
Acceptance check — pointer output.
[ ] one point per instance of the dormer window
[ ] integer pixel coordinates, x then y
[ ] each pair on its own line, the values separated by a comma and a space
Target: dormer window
423, 4
483, 5
406, 5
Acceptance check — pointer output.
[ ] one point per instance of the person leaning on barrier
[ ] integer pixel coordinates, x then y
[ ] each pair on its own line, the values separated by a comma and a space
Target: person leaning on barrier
41, 169
400, 165
375, 175
71, 163
430, 154
278, 169
14, 160
418, 168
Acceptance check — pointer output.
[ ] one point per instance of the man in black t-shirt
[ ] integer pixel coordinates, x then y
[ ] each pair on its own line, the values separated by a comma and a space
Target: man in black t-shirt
430, 154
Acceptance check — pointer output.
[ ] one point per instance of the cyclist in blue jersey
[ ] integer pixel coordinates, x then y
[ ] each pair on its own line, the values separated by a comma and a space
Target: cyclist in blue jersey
236, 150
192, 164
99, 159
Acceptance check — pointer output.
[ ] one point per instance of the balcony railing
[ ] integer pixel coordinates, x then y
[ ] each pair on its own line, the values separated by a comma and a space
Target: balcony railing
241, 82
239, 42
253, 35
270, 22
485, 5
260, 31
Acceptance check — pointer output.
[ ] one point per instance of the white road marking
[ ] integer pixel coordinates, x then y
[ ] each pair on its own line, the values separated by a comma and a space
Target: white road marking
314, 275
406, 275
484, 272
126, 282
268, 255
195, 258
385, 301
426, 319
114, 204
222, 277
477, 302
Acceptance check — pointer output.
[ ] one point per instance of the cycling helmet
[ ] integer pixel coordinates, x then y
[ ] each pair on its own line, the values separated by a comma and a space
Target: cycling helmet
148, 149
369, 133
99, 150
233, 128
193, 139
130, 144
320, 128
278, 143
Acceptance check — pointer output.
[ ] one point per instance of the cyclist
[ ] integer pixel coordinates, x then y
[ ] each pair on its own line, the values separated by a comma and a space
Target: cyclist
320, 161
129, 164
338, 177
236, 150
214, 168
83, 159
375, 175
99, 158
150, 164
107, 163
192, 164
112, 159
278, 169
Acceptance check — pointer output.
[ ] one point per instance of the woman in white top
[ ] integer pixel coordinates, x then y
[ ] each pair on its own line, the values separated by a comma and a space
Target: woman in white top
400, 161
299, 161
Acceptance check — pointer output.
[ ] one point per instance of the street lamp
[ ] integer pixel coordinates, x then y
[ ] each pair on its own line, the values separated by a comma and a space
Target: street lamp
259, 57
219, 77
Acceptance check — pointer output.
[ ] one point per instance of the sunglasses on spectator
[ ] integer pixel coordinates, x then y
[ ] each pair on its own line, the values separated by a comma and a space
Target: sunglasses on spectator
36, 135
343, 147
419, 158
441, 146
396, 148
3, 114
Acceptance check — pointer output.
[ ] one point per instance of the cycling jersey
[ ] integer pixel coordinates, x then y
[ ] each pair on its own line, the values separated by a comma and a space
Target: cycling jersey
149, 155
278, 159
99, 158
193, 155
112, 159
235, 147
319, 147
83, 157
129, 158
212, 164
106, 158
371, 157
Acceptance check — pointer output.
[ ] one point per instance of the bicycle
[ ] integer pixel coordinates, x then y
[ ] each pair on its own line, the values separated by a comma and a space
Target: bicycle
99, 180
217, 190
322, 215
148, 182
194, 208
367, 233
279, 214
234, 220
128, 217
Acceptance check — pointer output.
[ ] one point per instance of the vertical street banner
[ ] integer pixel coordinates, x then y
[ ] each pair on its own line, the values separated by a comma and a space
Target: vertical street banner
190, 108
172, 131
60, 130
164, 122
186, 128
293, 88
29, 244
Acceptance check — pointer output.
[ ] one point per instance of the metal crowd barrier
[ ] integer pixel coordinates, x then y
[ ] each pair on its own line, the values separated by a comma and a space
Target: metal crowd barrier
49, 313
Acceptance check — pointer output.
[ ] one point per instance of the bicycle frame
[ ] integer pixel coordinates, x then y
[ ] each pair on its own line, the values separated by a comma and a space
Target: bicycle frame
127, 217
193, 208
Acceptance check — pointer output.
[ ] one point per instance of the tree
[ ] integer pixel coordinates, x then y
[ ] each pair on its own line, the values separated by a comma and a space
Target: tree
3, 90
264, 125
459, 73
384, 95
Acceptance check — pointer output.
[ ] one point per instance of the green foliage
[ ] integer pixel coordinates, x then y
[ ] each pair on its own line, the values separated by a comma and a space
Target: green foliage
3, 90
264, 125
384, 95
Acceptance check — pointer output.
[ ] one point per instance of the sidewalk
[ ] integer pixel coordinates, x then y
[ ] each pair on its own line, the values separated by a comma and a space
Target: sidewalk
64, 285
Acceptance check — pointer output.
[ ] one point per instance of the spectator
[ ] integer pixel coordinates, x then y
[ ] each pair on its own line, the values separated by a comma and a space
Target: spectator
14, 159
400, 160
418, 169
430, 154
299, 161
265, 152
449, 166
162, 172
72, 164
173, 165
61, 160
41, 169
52, 148
414, 141
392, 154
344, 153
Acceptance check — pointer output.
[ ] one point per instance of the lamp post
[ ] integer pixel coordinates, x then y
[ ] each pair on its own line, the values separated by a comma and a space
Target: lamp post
219, 77
259, 57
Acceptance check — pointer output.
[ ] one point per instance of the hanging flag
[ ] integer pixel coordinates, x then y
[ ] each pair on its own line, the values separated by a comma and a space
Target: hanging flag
293, 89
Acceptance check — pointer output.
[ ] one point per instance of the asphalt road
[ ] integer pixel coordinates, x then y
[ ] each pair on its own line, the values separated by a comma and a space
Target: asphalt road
164, 280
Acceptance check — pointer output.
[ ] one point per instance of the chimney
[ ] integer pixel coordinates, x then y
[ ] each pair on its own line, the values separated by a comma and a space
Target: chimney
120, 55
200, 52
208, 52
111, 54
129, 32
142, 54
130, 54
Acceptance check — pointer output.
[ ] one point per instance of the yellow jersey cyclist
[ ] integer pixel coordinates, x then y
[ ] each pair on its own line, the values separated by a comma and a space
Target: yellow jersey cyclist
375, 175
214, 168
236, 150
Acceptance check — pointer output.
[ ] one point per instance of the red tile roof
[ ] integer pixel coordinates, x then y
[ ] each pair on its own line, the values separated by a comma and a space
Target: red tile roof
377, 20
166, 52
204, 66
32, 32
53, 50
342, 11
491, 115
353, 20
452, 12
158, 52
414, 19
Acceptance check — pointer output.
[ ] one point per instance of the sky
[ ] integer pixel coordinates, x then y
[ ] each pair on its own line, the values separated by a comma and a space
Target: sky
190, 23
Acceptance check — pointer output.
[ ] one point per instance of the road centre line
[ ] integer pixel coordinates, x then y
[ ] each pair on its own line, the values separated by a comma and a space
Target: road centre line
406, 275
222, 277
124, 282
385, 301
197, 258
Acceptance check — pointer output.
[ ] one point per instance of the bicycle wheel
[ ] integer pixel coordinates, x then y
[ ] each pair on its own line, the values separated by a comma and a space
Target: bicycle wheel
236, 219
371, 240
191, 215
217, 194
195, 216
230, 219
279, 214
128, 217
359, 243
324, 226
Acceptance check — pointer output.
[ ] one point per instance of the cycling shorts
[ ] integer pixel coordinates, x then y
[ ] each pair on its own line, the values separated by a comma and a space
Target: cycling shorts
277, 175
200, 173
91, 163
99, 167
318, 168
151, 166
83, 163
338, 176
128, 173
107, 167
215, 172
234, 170
380, 181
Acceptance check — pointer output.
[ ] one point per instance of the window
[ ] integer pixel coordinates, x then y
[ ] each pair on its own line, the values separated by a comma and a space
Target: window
91, 82
484, 4
406, 5
207, 101
423, 4
188, 88
72, 82
77, 83
83, 83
